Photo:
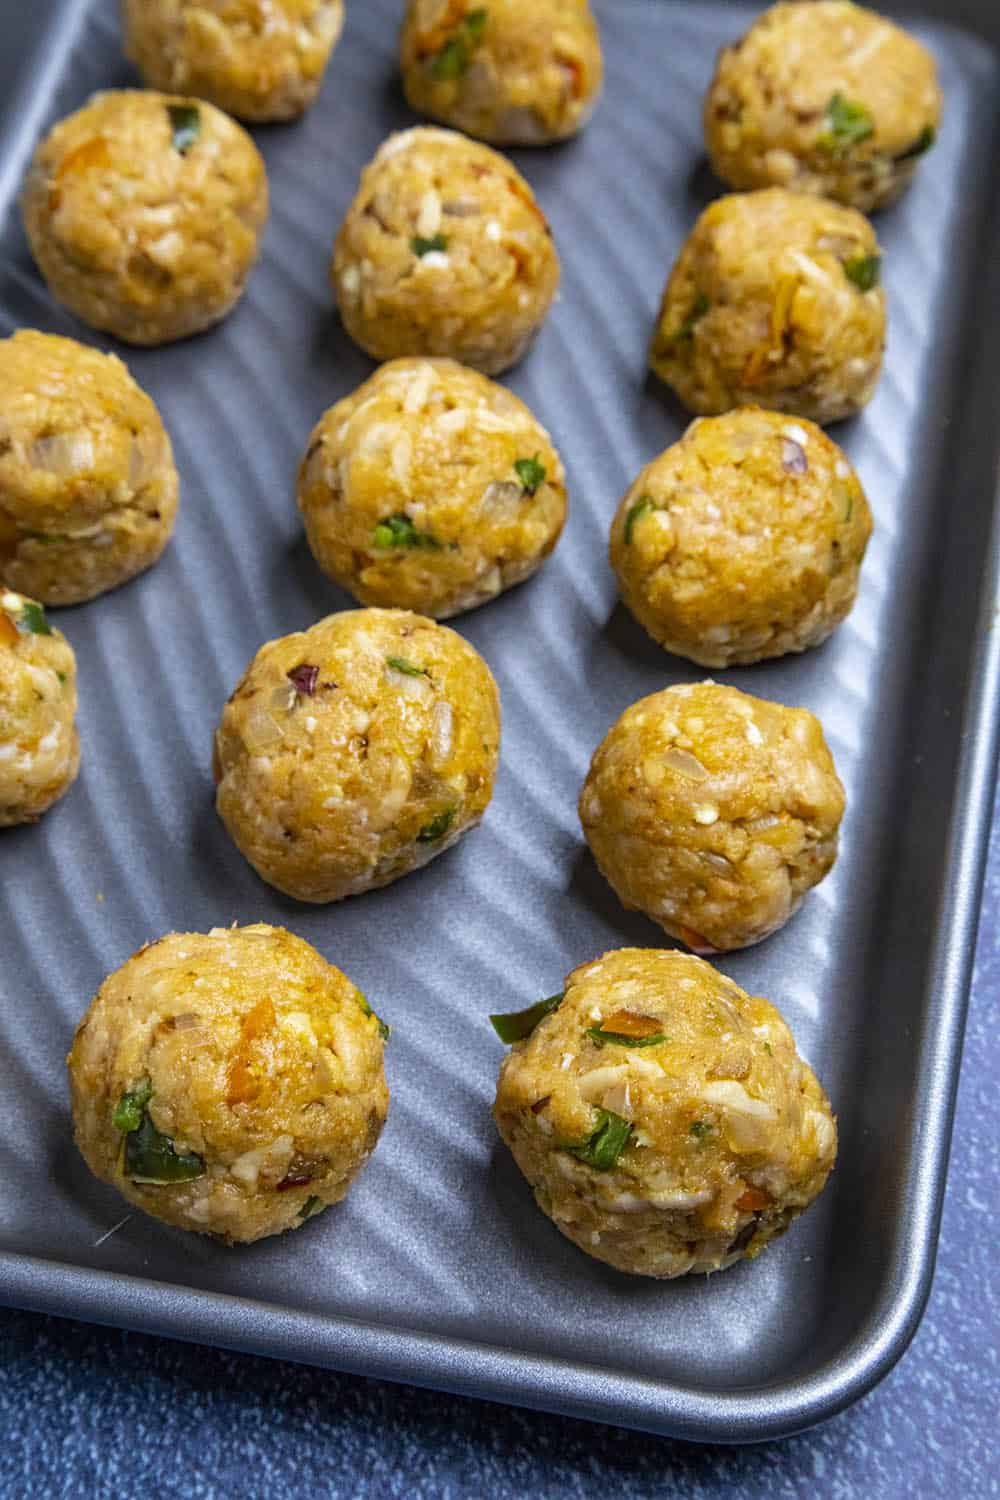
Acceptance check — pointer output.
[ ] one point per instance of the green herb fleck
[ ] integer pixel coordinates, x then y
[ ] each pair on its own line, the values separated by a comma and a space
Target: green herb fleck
185, 126
699, 307
399, 531
310, 1206
769, 1049
384, 1029
475, 23
132, 1106
151, 1157
421, 246
437, 827
516, 1025
849, 509
530, 472
635, 513
31, 620
864, 271
603, 1038
408, 668
605, 1144
847, 124
62, 677
456, 54
923, 142
700, 1129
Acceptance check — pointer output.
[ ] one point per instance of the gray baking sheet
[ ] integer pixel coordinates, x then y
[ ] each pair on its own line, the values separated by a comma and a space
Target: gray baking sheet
438, 1268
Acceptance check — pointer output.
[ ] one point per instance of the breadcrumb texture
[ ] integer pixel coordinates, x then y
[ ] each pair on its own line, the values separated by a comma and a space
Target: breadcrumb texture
39, 745
730, 1134
514, 72
713, 812
444, 251
743, 541
410, 493
760, 309
258, 1057
767, 111
88, 487
356, 751
142, 237
259, 60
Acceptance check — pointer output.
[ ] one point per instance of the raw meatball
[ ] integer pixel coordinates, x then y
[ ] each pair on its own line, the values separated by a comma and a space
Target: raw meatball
229, 1082
88, 488
823, 97
144, 212
444, 251
39, 746
516, 72
742, 541
256, 59
774, 301
357, 751
431, 488
663, 1117
713, 812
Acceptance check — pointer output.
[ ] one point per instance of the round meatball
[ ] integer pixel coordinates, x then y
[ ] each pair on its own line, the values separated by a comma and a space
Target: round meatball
774, 301
742, 541
713, 812
144, 213
444, 251
357, 751
88, 488
824, 97
663, 1117
39, 745
517, 73
229, 1082
257, 59
431, 488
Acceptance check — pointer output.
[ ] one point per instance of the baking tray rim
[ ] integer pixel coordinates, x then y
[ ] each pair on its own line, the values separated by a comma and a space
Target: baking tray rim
487, 1371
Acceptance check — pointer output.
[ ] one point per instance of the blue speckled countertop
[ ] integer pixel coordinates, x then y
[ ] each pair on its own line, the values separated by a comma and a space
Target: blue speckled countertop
96, 1412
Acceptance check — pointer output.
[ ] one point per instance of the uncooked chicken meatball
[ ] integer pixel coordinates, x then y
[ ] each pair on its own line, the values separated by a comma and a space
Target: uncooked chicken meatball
357, 751
431, 488
515, 72
144, 213
229, 1082
444, 251
775, 300
88, 487
661, 1115
713, 812
742, 541
257, 59
823, 96
39, 746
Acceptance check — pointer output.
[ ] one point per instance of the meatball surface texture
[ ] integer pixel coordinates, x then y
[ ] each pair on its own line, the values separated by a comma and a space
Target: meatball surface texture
39, 745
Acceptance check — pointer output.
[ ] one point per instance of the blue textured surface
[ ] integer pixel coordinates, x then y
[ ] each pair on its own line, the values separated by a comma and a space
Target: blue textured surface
86, 1411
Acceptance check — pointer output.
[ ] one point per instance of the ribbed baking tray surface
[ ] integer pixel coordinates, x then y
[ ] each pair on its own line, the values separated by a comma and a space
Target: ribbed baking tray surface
438, 1268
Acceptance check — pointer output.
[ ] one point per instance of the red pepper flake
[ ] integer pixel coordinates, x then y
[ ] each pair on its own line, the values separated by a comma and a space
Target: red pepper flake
304, 679
293, 1180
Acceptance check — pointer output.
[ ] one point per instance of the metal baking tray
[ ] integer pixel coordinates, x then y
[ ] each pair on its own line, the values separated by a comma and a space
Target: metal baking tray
438, 1269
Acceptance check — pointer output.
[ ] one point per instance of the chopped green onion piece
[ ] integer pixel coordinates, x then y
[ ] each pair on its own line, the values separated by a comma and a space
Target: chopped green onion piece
437, 827
530, 472
399, 531
849, 508
699, 307
635, 513
769, 1049
132, 1106
701, 1129
864, 271
408, 668
185, 125
62, 677
384, 1029
923, 142
31, 620
847, 124
517, 1025
475, 23
309, 1207
422, 247
619, 1039
151, 1157
605, 1144
456, 54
